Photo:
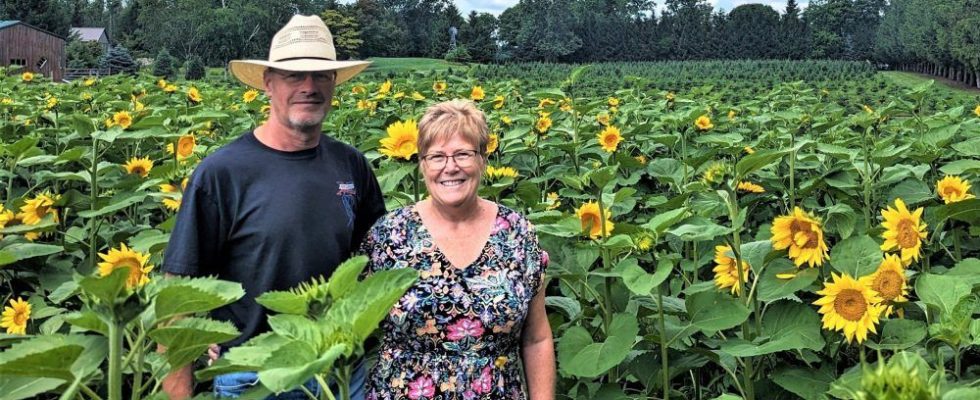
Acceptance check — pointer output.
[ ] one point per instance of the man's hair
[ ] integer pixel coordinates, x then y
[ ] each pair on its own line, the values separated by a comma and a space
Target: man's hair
454, 117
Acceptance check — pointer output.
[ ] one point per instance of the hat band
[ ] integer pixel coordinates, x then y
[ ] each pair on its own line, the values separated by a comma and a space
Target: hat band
303, 58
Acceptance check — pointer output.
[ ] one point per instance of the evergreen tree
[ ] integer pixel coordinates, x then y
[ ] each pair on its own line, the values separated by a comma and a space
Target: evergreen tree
793, 35
344, 28
478, 36
118, 60
165, 65
194, 68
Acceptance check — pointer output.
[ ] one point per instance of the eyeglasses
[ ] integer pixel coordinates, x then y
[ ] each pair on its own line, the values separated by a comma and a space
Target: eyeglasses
294, 77
463, 158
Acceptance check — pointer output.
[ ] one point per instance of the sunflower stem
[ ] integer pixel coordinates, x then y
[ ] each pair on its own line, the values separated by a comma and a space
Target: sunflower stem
93, 199
115, 359
325, 387
743, 294
663, 343
957, 356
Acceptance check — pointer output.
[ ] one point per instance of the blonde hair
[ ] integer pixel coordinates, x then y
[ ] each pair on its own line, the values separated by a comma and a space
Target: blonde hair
454, 117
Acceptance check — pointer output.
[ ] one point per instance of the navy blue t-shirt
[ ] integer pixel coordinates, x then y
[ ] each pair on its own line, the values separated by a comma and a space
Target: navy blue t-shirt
271, 219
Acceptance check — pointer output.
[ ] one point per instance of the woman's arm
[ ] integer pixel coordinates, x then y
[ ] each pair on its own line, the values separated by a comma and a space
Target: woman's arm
538, 350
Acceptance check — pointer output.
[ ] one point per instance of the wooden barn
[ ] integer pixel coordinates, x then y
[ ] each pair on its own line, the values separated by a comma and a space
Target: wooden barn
35, 49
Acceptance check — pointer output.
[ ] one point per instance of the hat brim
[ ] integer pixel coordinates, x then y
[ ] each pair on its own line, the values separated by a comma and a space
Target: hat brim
250, 71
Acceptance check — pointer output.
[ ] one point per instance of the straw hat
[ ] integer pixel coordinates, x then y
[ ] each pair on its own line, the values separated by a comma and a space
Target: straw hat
304, 44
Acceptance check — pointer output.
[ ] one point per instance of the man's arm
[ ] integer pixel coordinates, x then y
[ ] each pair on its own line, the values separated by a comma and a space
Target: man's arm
538, 350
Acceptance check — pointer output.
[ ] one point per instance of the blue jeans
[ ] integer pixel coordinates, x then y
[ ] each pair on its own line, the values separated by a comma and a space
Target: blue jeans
234, 384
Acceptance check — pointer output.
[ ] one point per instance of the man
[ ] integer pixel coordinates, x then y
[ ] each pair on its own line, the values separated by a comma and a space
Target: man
280, 204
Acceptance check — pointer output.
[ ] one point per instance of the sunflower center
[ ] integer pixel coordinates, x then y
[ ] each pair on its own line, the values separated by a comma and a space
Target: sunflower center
850, 304
952, 191
812, 239
907, 236
799, 226
20, 318
139, 170
888, 284
591, 221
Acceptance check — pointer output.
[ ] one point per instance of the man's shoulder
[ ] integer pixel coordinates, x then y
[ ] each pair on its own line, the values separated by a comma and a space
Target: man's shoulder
339, 148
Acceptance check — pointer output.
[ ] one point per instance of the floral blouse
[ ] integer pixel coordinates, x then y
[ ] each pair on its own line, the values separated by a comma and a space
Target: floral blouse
456, 333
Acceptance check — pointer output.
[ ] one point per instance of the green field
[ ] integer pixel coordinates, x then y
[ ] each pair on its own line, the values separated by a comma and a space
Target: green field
911, 80
382, 65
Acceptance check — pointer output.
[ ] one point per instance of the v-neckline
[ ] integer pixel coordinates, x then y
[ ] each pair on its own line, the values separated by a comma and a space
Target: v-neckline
438, 250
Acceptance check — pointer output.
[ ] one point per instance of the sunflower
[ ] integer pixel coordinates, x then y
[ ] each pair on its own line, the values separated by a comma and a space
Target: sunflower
976, 111
553, 200
250, 95
731, 115
545, 103
868, 109
543, 124
439, 87
498, 102
27, 76
6, 101
35, 209
385, 87
506, 120
161, 83
669, 96
193, 95
477, 94
602, 119
750, 187
123, 119
609, 138
139, 166
703, 123
170, 88
89, 82
565, 105
493, 143
588, 213
417, 96
953, 189
401, 140
496, 173
52, 102
890, 283
15, 317
801, 233
5, 217
185, 146
714, 173
748, 150
126, 257
613, 102
398, 95
904, 231
172, 202
851, 306
642, 159
726, 275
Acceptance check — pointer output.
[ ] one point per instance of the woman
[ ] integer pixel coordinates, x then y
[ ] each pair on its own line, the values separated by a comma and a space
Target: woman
477, 310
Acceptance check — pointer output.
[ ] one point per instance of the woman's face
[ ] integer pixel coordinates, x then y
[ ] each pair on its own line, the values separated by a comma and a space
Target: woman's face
453, 179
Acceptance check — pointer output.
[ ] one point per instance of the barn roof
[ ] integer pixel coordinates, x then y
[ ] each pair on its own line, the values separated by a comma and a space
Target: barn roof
89, 33
9, 23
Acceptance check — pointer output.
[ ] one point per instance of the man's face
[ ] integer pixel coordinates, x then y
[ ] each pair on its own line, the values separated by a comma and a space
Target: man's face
299, 100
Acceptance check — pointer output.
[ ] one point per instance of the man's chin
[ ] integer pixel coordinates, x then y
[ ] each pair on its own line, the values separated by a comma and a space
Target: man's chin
306, 123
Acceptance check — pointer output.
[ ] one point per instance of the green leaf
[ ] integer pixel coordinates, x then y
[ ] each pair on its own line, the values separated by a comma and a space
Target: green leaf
21, 146
579, 355
369, 302
959, 167
297, 328
965, 210
967, 270
969, 148
289, 377
63, 357
149, 241
756, 161
24, 387
899, 334
755, 253
344, 278
911, 191
941, 291
602, 176
772, 288
88, 320
962, 393
808, 383
194, 295
696, 229
856, 256
284, 302
712, 310
787, 325
570, 306
566, 227
188, 338
106, 289
841, 218
117, 205
660, 222
23, 251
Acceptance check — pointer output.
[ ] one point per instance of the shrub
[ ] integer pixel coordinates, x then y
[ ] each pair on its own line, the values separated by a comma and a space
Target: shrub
165, 65
194, 69
459, 54
118, 60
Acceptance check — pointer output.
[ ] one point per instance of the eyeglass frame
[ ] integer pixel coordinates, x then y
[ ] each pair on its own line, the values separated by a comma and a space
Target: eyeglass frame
474, 154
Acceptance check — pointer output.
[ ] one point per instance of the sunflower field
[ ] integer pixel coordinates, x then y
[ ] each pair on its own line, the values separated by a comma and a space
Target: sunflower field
737, 230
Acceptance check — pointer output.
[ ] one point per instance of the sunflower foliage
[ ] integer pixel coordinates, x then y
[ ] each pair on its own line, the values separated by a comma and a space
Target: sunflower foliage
320, 329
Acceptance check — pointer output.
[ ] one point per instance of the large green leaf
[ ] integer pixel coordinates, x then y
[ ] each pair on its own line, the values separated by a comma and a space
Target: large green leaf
941, 291
63, 357
23, 387
965, 210
579, 355
344, 278
787, 325
570, 306
249, 356
772, 288
967, 270
181, 295
899, 334
639, 281
296, 370
856, 256
297, 328
188, 338
698, 229
808, 383
369, 302
106, 289
284, 302
911, 191
88, 320
662, 221
116, 205
755, 253
23, 251
712, 310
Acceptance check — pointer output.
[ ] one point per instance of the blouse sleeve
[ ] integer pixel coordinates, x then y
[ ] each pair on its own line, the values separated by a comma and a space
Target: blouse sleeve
537, 259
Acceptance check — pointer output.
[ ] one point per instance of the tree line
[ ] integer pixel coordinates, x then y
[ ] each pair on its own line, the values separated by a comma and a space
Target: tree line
937, 36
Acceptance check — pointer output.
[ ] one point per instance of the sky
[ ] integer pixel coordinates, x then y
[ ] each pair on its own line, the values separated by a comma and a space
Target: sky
496, 7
